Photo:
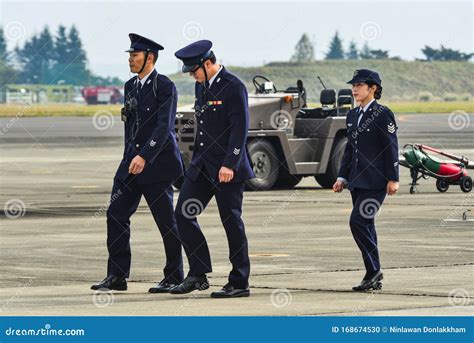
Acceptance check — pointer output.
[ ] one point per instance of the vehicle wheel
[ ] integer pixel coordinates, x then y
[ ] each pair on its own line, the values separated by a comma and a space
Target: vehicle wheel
289, 181
412, 189
442, 185
466, 184
327, 180
285, 179
265, 165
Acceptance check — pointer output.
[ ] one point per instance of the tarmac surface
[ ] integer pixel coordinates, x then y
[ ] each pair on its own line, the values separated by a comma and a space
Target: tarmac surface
56, 176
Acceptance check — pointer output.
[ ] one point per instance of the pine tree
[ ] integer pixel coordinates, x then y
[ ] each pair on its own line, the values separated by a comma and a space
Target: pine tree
352, 53
365, 52
45, 53
4, 56
336, 52
75, 72
7, 73
304, 50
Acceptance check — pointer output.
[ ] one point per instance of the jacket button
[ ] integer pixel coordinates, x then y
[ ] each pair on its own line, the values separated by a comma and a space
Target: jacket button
138, 145
200, 121
201, 144
214, 109
200, 132
356, 142
148, 108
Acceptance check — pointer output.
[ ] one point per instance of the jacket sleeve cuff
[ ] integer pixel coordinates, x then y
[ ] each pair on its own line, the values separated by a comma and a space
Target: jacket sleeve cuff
340, 178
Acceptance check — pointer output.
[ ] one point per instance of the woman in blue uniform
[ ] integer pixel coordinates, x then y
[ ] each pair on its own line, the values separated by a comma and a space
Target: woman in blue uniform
369, 168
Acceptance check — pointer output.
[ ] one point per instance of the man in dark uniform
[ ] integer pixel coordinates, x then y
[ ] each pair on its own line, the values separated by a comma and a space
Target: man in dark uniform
151, 162
369, 167
219, 167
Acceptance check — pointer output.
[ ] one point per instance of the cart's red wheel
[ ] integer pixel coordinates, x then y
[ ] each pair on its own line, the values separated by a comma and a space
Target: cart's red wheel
466, 184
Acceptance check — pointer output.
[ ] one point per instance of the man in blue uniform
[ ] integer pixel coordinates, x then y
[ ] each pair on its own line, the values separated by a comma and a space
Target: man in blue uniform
219, 167
369, 168
151, 162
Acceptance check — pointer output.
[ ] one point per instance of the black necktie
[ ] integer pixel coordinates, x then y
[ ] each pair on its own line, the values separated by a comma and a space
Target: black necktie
206, 88
361, 113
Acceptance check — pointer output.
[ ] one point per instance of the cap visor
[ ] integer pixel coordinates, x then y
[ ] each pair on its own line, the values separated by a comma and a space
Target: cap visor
357, 80
187, 69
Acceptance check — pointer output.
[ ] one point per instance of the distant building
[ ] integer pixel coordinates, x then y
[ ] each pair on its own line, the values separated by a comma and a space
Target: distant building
32, 93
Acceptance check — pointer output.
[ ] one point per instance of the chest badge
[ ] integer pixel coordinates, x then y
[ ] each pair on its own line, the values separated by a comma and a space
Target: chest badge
152, 143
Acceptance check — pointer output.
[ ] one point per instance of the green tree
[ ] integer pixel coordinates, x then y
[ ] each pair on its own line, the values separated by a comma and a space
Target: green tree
36, 58
75, 71
4, 56
444, 54
365, 53
352, 52
336, 52
379, 54
304, 50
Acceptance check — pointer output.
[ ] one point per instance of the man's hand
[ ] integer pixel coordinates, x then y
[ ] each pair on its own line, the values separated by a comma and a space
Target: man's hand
392, 187
226, 174
137, 165
338, 186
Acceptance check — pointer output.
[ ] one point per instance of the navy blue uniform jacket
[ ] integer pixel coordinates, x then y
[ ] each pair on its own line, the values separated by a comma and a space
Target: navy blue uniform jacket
155, 139
222, 124
371, 155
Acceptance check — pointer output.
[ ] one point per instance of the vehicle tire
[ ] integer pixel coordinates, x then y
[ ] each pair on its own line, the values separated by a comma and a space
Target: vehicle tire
265, 163
327, 180
442, 185
285, 179
288, 181
466, 184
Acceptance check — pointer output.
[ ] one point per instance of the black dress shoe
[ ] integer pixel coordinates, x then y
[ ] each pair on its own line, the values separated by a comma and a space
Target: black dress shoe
191, 283
111, 283
162, 287
374, 282
229, 291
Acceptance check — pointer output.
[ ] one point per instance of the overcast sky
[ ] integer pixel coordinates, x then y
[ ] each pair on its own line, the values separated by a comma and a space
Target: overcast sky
246, 33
